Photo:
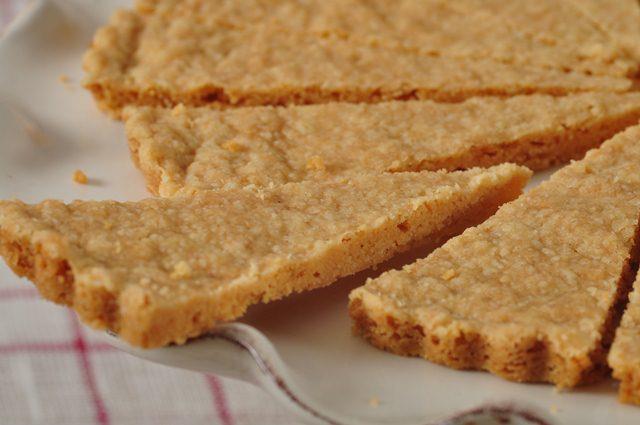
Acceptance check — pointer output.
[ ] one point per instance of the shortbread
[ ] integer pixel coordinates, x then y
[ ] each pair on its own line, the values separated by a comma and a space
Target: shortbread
545, 33
163, 270
619, 18
195, 52
187, 149
532, 294
624, 357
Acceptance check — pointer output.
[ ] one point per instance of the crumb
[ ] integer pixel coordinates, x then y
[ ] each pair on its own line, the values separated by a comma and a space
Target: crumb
315, 163
374, 402
65, 80
181, 270
232, 146
80, 177
554, 409
449, 274
32, 129
596, 110
178, 110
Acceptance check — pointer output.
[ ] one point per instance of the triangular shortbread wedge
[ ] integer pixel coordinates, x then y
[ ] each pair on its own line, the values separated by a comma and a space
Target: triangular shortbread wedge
533, 293
174, 52
162, 270
624, 357
619, 18
187, 149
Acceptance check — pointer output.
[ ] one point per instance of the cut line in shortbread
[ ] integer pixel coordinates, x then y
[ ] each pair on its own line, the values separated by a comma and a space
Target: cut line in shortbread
624, 357
618, 18
212, 53
187, 149
532, 294
163, 270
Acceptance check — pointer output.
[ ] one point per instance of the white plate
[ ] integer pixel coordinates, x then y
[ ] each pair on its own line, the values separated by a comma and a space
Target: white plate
300, 349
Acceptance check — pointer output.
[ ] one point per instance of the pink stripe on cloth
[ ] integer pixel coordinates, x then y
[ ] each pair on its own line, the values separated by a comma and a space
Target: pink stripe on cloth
219, 399
6, 12
13, 293
102, 417
36, 347
26, 347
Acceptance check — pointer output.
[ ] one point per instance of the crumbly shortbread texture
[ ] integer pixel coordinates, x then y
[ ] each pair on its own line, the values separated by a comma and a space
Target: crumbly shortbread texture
532, 294
619, 18
254, 52
163, 270
187, 149
624, 357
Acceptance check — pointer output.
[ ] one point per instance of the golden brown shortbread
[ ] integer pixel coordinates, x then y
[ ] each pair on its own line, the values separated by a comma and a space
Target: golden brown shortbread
619, 18
187, 149
624, 357
251, 52
532, 294
163, 270
545, 33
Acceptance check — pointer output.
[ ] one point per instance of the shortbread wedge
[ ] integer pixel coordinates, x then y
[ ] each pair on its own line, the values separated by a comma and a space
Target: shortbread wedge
163, 270
187, 149
624, 357
532, 294
168, 52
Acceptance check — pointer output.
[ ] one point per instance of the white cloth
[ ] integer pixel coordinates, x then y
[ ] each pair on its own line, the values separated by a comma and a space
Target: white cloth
52, 371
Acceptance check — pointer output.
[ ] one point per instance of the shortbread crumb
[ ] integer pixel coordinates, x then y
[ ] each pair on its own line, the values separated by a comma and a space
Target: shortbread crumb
449, 274
80, 177
315, 163
65, 80
181, 270
374, 402
232, 146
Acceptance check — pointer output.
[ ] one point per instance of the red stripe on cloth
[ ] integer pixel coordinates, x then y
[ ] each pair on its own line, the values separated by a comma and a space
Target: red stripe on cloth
13, 293
219, 399
26, 347
35, 347
81, 347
